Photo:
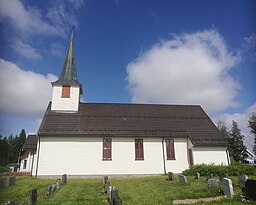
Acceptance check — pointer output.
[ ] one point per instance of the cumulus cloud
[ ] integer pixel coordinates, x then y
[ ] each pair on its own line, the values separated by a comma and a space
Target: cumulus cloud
242, 120
188, 69
29, 21
26, 50
23, 93
250, 46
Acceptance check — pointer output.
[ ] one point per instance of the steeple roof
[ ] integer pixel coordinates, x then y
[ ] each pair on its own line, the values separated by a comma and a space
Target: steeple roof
68, 74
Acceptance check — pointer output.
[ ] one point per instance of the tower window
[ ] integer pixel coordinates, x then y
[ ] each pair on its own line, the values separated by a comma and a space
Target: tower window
65, 91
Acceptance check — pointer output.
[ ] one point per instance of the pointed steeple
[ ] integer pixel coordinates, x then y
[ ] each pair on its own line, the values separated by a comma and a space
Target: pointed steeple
68, 76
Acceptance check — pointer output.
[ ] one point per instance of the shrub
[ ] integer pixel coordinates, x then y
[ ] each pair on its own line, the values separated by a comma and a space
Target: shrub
4, 169
232, 170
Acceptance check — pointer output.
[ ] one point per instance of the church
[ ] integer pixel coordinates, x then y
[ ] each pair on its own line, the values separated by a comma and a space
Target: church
95, 139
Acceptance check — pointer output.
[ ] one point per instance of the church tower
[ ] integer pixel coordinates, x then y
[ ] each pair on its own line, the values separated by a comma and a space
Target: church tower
67, 89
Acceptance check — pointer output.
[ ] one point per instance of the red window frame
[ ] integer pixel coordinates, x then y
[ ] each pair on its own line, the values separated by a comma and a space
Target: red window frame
65, 91
107, 149
170, 151
139, 151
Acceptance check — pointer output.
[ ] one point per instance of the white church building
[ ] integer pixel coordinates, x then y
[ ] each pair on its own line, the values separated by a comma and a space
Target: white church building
82, 139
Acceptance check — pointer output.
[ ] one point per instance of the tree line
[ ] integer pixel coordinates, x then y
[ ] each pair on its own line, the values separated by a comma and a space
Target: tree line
11, 148
235, 139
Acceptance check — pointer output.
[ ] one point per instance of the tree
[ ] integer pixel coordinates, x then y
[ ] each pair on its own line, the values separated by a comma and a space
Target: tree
223, 130
11, 148
236, 145
252, 125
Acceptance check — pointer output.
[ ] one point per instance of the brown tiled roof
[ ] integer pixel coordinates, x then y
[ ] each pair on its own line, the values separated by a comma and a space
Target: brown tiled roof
140, 120
30, 143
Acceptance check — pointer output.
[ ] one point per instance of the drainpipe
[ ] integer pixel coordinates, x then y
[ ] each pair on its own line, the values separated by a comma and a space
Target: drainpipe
32, 164
228, 156
38, 151
163, 156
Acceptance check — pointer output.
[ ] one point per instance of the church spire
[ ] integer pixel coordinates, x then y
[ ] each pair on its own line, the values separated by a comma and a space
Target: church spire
68, 76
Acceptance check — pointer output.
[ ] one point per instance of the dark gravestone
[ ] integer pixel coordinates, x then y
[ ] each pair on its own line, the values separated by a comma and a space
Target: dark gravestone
64, 178
170, 176
115, 199
197, 176
213, 183
250, 189
242, 178
182, 179
32, 197
209, 176
12, 181
48, 190
228, 187
2, 182
222, 175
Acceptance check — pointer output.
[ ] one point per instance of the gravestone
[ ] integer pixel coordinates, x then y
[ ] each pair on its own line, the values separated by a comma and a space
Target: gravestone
242, 179
170, 176
107, 187
104, 181
2, 182
114, 198
58, 183
250, 189
12, 181
48, 190
32, 197
209, 176
213, 183
228, 187
222, 175
197, 176
182, 179
53, 188
64, 178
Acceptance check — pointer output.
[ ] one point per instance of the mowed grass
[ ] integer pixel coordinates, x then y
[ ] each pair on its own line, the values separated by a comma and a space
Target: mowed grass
142, 191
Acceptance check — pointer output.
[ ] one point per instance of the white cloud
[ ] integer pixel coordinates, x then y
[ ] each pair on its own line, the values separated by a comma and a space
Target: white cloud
76, 3
23, 93
189, 69
27, 20
242, 120
26, 50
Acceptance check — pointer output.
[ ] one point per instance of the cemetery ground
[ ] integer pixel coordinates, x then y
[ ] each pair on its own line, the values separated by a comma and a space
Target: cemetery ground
132, 191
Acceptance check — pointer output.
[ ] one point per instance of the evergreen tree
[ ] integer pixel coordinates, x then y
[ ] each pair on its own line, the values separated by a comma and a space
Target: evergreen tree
252, 125
223, 130
236, 145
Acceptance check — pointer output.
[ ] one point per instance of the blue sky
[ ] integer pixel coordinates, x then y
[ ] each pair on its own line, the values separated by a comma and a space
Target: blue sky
174, 52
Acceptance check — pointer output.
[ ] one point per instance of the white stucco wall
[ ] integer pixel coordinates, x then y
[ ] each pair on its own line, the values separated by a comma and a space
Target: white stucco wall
209, 155
65, 104
83, 156
30, 163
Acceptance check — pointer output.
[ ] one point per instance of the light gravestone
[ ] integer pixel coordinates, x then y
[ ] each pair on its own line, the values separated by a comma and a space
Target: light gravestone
213, 183
182, 179
48, 190
228, 187
58, 184
209, 176
242, 179
32, 197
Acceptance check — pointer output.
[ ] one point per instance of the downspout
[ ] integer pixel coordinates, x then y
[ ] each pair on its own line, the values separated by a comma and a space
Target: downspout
228, 156
163, 156
38, 154
32, 164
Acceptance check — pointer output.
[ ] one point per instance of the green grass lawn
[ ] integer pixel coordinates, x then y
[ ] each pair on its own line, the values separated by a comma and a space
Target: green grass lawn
133, 191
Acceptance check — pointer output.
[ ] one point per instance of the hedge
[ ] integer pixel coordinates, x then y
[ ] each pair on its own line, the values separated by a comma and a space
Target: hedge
232, 170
